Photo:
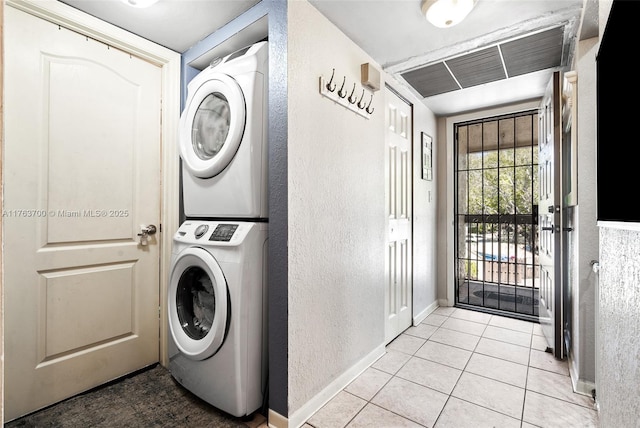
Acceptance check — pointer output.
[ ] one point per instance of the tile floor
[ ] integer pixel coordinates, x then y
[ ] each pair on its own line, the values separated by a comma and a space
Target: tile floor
461, 368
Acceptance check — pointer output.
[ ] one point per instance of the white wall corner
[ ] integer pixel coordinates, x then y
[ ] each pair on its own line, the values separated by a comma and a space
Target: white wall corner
300, 416
444, 303
276, 420
425, 313
579, 386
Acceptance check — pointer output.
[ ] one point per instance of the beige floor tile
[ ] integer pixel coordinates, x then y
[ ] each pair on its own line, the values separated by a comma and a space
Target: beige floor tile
505, 371
423, 331
406, 343
445, 310
545, 411
391, 361
537, 330
506, 351
444, 354
538, 343
503, 398
412, 401
455, 338
512, 324
507, 335
435, 319
557, 386
546, 361
433, 375
337, 412
465, 314
462, 414
464, 326
374, 416
368, 383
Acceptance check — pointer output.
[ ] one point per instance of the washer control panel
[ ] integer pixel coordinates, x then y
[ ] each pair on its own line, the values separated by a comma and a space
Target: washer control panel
223, 232
216, 233
201, 230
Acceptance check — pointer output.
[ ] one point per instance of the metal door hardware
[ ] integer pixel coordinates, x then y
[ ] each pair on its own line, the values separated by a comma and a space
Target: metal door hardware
145, 232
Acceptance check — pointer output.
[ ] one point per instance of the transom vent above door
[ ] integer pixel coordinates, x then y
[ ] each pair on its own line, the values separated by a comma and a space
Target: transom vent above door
535, 52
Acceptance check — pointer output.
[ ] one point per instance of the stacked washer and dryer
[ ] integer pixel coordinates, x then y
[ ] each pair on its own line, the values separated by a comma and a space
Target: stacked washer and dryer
217, 289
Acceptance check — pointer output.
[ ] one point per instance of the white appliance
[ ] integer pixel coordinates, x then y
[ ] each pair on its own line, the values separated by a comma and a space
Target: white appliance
223, 138
217, 313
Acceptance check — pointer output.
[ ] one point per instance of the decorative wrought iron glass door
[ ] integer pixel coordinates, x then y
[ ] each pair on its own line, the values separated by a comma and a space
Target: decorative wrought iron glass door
496, 182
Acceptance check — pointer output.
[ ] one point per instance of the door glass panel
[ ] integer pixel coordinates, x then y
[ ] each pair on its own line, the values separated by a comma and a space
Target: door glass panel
210, 126
196, 302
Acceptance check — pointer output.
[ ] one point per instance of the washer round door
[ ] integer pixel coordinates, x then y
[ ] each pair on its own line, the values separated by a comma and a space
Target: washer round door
198, 304
212, 125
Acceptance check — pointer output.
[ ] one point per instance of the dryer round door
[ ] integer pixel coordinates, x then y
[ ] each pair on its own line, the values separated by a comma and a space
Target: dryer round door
198, 304
212, 126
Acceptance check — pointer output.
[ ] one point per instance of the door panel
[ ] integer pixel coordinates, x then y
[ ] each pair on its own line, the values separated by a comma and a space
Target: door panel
550, 219
81, 176
398, 196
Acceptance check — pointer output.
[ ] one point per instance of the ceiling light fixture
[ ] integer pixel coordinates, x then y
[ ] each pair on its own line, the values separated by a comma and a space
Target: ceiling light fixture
139, 3
446, 13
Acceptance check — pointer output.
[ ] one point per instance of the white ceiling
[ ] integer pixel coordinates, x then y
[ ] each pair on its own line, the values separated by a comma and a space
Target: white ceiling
393, 32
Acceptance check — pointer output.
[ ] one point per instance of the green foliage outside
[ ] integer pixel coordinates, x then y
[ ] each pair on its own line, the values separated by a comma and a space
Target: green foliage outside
502, 182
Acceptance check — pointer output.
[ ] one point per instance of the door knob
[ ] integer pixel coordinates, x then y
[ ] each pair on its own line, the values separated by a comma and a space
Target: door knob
145, 232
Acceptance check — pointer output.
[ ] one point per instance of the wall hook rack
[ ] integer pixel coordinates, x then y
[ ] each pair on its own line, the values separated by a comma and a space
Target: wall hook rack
353, 102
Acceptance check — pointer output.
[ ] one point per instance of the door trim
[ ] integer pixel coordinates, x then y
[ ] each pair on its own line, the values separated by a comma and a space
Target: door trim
169, 62
446, 265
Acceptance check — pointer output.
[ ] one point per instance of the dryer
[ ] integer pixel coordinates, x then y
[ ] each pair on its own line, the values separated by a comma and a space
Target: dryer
223, 138
217, 313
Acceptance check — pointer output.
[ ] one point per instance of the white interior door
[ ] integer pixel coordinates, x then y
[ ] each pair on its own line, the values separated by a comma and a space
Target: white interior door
550, 217
398, 294
81, 175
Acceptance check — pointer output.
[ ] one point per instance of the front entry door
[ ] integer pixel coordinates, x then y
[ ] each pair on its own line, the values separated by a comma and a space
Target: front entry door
550, 217
81, 177
398, 266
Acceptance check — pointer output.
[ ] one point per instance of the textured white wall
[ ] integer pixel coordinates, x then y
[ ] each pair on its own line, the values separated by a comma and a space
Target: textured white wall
618, 371
336, 211
425, 295
618, 319
584, 293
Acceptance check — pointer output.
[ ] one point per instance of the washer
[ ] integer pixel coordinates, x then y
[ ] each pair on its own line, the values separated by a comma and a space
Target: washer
217, 313
222, 138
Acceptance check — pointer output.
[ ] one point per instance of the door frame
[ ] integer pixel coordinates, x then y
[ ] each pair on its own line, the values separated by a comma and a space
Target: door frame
169, 63
446, 265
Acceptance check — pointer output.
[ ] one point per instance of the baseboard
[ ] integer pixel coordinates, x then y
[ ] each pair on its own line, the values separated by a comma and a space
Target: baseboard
444, 303
300, 416
422, 315
276, 420
579, 386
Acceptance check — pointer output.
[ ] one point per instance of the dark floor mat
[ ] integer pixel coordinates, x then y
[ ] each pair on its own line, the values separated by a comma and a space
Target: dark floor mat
149, 398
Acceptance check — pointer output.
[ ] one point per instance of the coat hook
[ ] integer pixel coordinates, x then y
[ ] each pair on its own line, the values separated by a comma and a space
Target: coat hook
361, 105
329, 87
368, 109
341, 92
352, 99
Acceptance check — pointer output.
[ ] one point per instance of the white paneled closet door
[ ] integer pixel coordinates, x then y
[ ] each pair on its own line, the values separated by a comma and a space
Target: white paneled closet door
398, 173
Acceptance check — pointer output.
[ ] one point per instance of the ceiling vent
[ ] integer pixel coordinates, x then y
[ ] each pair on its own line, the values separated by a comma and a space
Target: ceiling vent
539, 51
